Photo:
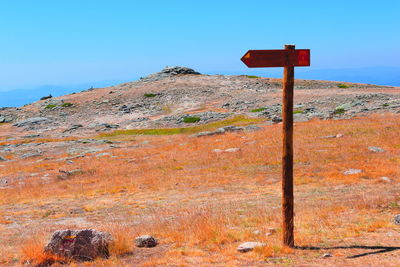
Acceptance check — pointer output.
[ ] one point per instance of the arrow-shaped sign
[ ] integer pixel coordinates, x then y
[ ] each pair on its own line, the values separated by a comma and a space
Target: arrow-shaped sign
276, 58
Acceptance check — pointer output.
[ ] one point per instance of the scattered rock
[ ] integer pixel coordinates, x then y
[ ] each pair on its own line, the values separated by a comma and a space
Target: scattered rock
352, 171
257, 232
31, 121
146, 241
4, 119
67, 174
397, 219
2, 158
80, 245
376, 149
73, 127
276, 119
3, 181
249, 246
386, 179
30, 155
233, 149
271, 231
46, 97
329, 136
251, 128
217, 150
326, 255
228, 129
31, 135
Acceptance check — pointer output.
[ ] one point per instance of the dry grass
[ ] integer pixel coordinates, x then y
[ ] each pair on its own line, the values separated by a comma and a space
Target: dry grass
201, 204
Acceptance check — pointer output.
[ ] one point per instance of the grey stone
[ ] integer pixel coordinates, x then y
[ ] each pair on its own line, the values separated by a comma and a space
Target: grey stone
80, 245
252, 128
276, 119
375, 149
2, 158
352, 171
397, 219
4, 119
46, 97
73, 127
386, 179
31, 121
67, 174
333, 136
30, 155
233, 149
326, 255
146, 241
249, 246
168, 72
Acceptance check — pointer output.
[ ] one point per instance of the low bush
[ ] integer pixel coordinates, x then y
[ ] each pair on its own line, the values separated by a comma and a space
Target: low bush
339, 111
342, 85
66, 104
149, 95
191, 119
49, 106
258, 110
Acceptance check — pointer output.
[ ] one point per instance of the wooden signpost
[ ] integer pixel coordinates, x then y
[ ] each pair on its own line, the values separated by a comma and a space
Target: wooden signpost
287, 58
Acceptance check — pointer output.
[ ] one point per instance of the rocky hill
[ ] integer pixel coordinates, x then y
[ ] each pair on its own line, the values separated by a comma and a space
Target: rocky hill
166, 98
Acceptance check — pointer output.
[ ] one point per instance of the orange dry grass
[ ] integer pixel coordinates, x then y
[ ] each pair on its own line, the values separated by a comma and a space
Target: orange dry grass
33, 253
204, 203
190, 162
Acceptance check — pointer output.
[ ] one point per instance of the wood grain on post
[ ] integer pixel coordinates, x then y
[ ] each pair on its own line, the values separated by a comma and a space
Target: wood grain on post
287, 153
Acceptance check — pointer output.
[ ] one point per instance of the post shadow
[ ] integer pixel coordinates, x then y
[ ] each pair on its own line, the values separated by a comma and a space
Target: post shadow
379, 249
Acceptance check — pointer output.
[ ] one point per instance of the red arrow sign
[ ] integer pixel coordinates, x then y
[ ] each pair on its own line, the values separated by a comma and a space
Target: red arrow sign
276, 58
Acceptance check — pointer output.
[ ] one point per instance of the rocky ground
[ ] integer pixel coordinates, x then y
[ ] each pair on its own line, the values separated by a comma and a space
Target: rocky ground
62, 168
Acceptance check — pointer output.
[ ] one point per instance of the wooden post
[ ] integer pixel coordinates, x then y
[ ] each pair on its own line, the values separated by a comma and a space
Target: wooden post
287, 152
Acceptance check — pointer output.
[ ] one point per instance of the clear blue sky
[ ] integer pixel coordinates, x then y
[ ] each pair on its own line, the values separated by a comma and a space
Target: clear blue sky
76, 41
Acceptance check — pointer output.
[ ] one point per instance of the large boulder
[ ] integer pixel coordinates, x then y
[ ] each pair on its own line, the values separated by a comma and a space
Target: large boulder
168, 72
80, 245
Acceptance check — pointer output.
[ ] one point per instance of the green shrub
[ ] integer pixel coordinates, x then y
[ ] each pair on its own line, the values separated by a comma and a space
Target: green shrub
191, 119
50, 106
298, 111
385, 105
252, 76
342, 85
258, 109
149, 95
66, 104
339, 111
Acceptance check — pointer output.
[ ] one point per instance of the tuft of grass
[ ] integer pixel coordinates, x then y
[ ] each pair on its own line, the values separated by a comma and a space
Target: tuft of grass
339, 111
237, 120
66, 104
122, 239
299, 111
34, 255
385, 105
191, 119
252, 76
258, 110
149, 95
49, 106
342, 85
